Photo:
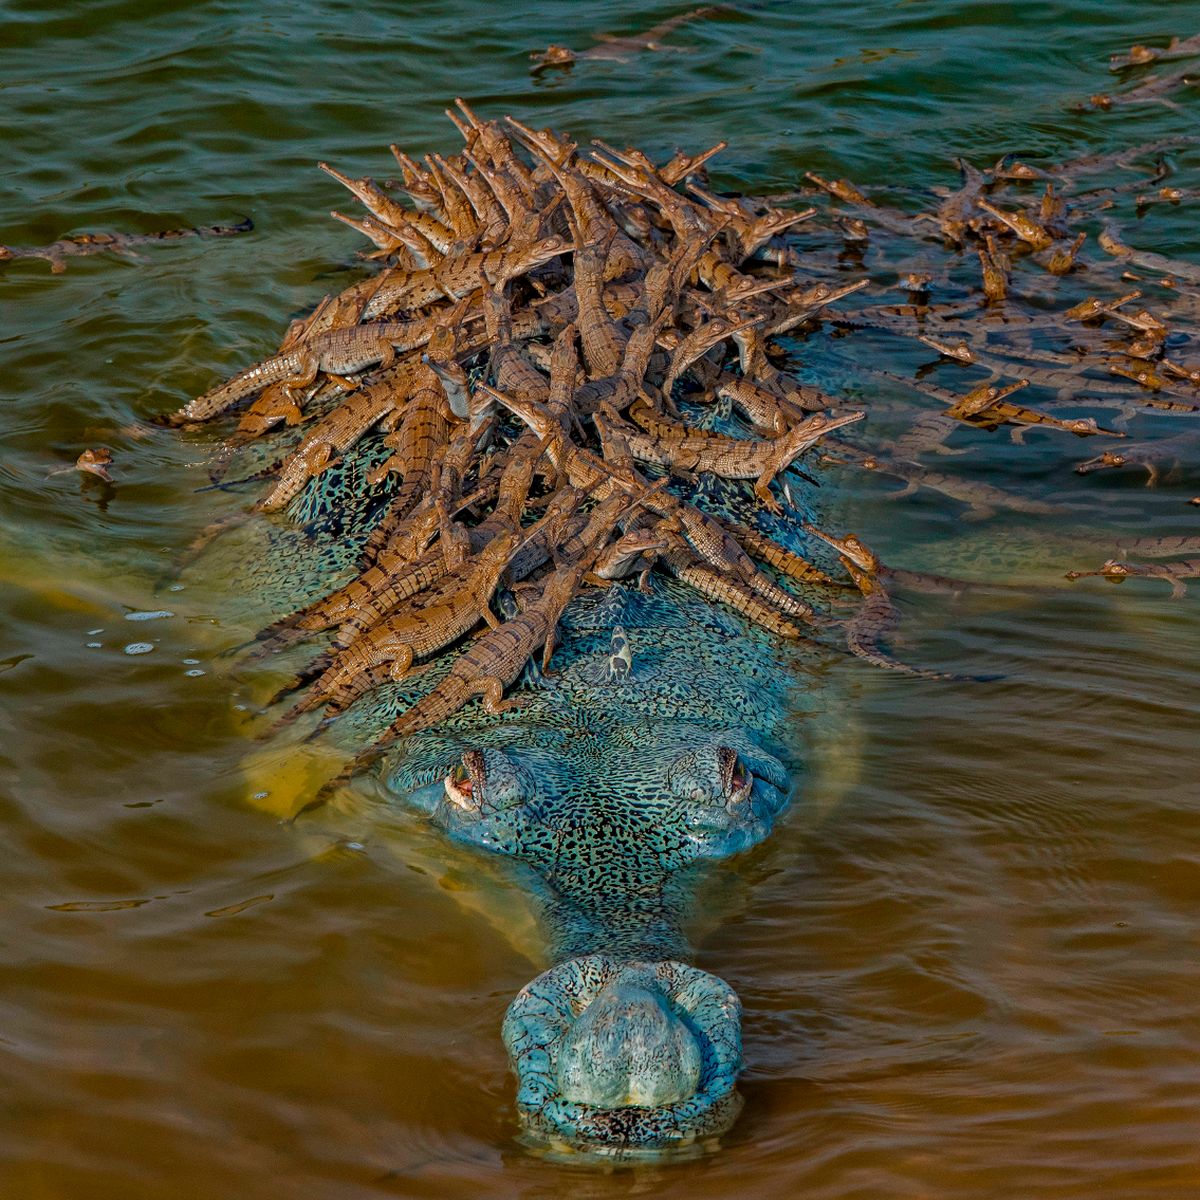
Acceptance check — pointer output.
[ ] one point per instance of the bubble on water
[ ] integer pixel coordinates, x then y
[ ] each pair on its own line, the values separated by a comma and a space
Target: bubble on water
139, 647
239, 708
93, 632
191, 662
153, 615
194, 672
95, 645
261, 795
177, 587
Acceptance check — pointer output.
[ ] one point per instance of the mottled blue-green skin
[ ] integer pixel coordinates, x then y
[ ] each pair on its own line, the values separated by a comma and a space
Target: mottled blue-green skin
615, 805
616, 809
612, 806
612, 819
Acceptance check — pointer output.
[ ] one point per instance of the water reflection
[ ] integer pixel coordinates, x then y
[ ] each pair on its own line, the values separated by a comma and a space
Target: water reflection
967, 959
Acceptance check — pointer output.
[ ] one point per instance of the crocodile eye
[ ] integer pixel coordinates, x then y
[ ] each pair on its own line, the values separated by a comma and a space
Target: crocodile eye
460, 783
710, 776
487, 781
736, 780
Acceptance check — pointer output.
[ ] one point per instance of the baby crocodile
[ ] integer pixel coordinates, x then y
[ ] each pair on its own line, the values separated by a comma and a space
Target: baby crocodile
618, 49
339, 353
1175, 573
982, 499
76, 244
1150, 455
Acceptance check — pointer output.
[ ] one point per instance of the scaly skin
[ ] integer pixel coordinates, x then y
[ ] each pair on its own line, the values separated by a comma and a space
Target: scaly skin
777, 556
494, 662
698, 343
371, 405
593, 223
394, 577
337, 352
509, 169
421, 434
458, 277
389, 649
700, 790
730, 458
1174, 573
750, 231
372, 196
396, 570
602, 339
117, 243
1000, 413
594, 476
442, 610
455, 204
691, 569
278, 401
763, 409
789, 394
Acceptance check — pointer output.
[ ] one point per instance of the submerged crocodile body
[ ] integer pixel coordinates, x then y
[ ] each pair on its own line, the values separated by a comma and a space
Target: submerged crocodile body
645, 757
584, 390
657, 746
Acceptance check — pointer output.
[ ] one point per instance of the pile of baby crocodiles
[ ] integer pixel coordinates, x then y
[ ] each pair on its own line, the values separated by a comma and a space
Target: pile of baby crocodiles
563, 384
522, 352
519, 353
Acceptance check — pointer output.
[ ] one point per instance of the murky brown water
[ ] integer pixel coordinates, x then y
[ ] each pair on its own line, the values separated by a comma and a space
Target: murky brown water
968, 955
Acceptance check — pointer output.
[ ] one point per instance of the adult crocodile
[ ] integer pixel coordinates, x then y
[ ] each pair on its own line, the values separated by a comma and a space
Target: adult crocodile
657, 746
645, 757
594, 319
648, 746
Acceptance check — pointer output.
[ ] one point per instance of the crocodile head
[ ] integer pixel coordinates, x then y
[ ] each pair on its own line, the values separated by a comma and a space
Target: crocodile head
623, 1057
619, 1048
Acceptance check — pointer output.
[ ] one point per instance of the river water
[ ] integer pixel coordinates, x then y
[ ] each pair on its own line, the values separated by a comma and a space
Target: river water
968, 955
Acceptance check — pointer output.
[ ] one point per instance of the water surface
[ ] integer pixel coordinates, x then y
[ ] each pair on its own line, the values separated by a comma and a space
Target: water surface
968, 956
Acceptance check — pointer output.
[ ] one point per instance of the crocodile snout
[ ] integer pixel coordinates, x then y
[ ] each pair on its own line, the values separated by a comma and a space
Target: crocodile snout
625, 1057
628, 1047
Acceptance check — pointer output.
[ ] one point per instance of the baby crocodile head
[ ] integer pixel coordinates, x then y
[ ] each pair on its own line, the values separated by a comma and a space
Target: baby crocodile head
1108, 460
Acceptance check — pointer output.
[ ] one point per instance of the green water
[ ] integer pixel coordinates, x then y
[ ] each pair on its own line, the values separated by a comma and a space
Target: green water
969, 957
